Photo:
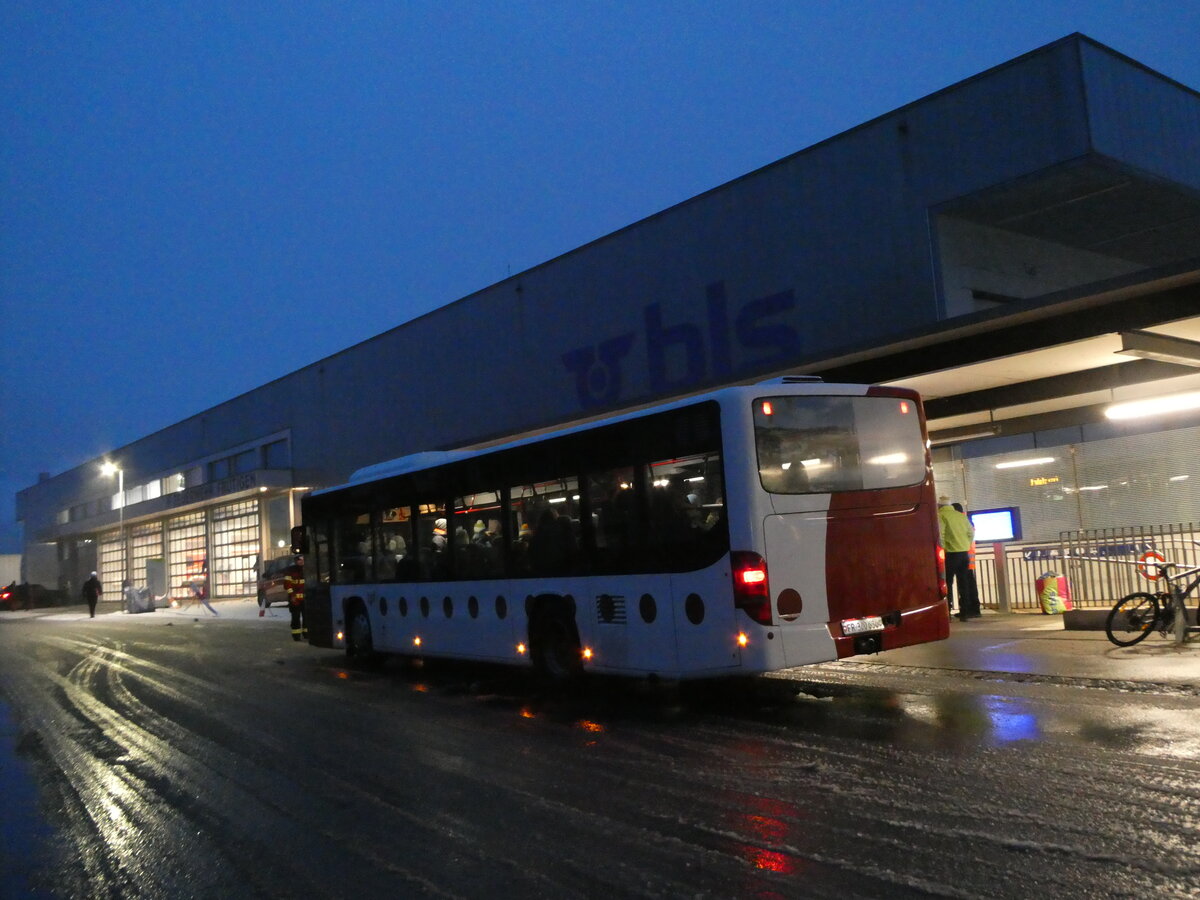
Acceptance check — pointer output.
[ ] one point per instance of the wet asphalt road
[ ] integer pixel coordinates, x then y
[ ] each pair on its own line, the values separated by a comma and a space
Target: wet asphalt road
218, 759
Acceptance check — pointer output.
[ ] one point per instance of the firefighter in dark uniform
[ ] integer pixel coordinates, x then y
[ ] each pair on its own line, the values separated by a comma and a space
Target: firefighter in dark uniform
293, 580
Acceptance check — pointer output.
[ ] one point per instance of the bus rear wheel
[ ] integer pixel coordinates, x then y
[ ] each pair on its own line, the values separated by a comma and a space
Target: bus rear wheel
555, 648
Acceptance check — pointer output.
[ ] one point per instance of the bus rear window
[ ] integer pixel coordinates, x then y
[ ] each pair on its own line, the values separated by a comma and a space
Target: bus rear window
822, 445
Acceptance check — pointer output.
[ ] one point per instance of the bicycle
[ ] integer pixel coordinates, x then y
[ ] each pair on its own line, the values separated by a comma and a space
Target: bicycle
1132, 618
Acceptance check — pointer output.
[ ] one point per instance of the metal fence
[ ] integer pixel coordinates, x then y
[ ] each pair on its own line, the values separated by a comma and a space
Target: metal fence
1098, 563
1098, 559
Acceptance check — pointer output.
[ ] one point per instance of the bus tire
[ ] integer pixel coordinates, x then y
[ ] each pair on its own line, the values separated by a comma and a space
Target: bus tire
359, 644
555, 648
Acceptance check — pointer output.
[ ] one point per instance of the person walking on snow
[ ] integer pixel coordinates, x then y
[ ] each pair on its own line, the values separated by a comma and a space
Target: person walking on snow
92, 590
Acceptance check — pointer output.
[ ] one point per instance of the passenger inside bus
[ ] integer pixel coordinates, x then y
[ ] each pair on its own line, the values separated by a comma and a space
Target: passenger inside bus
520, 548
433, 552
552, 549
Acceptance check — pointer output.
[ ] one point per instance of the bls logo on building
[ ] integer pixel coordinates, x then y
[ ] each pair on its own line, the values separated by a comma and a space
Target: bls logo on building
683, 354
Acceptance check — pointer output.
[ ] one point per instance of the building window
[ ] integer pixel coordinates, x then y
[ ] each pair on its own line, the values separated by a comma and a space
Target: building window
278, 513
218, 469
276, 455
112, 564
145, 543
246, 461
235, 550
187, 558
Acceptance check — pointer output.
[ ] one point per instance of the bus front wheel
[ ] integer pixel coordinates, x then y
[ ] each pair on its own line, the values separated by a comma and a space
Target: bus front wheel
359, 644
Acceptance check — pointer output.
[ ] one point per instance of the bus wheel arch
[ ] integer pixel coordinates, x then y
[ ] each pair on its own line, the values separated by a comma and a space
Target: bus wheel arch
554, 645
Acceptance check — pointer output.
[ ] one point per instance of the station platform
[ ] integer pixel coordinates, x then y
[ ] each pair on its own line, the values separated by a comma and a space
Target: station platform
1035, 645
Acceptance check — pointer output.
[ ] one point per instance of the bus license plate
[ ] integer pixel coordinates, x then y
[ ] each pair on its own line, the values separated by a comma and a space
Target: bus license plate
858, 626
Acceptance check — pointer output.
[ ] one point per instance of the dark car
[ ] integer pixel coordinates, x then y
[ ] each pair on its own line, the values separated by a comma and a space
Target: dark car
272, 585
29, 596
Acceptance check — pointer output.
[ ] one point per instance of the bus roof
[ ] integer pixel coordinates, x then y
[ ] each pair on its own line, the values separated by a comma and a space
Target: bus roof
428, 459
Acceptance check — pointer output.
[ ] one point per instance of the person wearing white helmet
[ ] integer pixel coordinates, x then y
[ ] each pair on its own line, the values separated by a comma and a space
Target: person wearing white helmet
92, 589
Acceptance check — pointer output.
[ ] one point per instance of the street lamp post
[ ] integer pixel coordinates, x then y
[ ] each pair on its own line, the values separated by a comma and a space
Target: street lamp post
110, 469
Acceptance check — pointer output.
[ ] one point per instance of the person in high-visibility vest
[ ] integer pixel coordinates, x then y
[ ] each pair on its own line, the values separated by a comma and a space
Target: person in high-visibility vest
957, 535
973, 607
293, 581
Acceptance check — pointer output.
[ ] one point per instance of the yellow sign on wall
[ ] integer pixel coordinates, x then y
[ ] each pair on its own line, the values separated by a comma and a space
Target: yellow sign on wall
1043, 479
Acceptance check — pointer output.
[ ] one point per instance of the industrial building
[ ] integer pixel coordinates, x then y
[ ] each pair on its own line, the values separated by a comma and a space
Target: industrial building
1023, 247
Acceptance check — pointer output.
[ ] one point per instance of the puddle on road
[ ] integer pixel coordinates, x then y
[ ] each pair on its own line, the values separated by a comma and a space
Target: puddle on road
952, 720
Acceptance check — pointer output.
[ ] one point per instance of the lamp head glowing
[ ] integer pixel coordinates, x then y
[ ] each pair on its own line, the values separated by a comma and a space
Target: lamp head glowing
1021, 463
1154, 406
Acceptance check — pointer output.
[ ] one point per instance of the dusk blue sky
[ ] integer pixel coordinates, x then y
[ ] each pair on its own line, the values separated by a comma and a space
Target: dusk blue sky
198, 198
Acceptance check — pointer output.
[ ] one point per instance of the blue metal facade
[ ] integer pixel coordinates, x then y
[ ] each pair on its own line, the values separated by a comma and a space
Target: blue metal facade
826, 252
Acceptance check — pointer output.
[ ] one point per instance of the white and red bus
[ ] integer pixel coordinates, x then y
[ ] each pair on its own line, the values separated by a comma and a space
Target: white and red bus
746, 530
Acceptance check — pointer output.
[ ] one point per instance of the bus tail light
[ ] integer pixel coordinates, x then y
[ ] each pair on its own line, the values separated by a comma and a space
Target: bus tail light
751, 589
941, 569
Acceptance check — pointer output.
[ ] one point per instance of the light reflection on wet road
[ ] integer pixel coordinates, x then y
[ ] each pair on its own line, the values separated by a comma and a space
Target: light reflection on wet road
205, 759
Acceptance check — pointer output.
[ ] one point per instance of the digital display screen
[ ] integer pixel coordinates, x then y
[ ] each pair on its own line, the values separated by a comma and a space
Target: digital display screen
993, 525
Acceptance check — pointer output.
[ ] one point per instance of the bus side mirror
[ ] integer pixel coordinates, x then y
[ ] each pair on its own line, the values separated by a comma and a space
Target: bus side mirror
299, 541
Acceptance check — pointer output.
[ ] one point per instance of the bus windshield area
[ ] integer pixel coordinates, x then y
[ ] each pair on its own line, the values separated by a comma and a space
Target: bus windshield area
822, 445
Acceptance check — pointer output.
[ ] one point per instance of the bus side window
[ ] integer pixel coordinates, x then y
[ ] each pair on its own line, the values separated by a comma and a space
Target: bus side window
615, 521
433, 542
354, 548
666, 512
392, 559
686, 509
520, 529
706, 494
552, 509
316, 562
478, 545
